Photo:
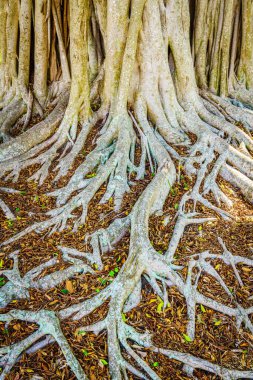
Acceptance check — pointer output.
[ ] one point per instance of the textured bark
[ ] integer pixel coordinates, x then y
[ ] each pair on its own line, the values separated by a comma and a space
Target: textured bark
40, 51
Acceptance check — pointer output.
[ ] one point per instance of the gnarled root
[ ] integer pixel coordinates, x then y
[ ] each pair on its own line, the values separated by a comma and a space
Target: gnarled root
48, 325
19, 149
18, 287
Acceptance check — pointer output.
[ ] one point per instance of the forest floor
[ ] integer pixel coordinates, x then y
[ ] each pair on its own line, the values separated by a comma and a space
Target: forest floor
217, 338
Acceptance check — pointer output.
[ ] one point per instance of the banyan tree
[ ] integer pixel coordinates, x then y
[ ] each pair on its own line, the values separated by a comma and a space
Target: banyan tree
152, 89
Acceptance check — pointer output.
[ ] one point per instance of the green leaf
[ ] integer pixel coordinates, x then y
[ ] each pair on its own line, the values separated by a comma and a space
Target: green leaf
9, 223
95, 266
2, 281
23, 192
111, 273
202, 309
91, 175
123, 317
81, 332
36, 198
173, 193
85, 352
103, 361
64, 291
118, 259
1, 263
160, 252
155, 364
103, 281
160, 305
217, 322
176, 206
97, 290
116, 270
200, 228
17, 209
187, 338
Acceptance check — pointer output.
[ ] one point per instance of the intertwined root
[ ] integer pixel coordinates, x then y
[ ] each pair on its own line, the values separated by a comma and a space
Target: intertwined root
143, 261
166, 109
125, 293
48, 325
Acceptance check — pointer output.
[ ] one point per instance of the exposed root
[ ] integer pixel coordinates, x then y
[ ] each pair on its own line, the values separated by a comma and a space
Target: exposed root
234, 111
18, 287
150, 99
9, 116
7, 212
195, 362
17, 150
48, 325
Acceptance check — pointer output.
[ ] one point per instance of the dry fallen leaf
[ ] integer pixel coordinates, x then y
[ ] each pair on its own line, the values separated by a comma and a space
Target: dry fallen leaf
69, 286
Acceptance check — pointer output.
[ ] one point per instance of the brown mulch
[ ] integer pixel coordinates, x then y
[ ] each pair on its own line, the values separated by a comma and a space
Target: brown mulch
217, 338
